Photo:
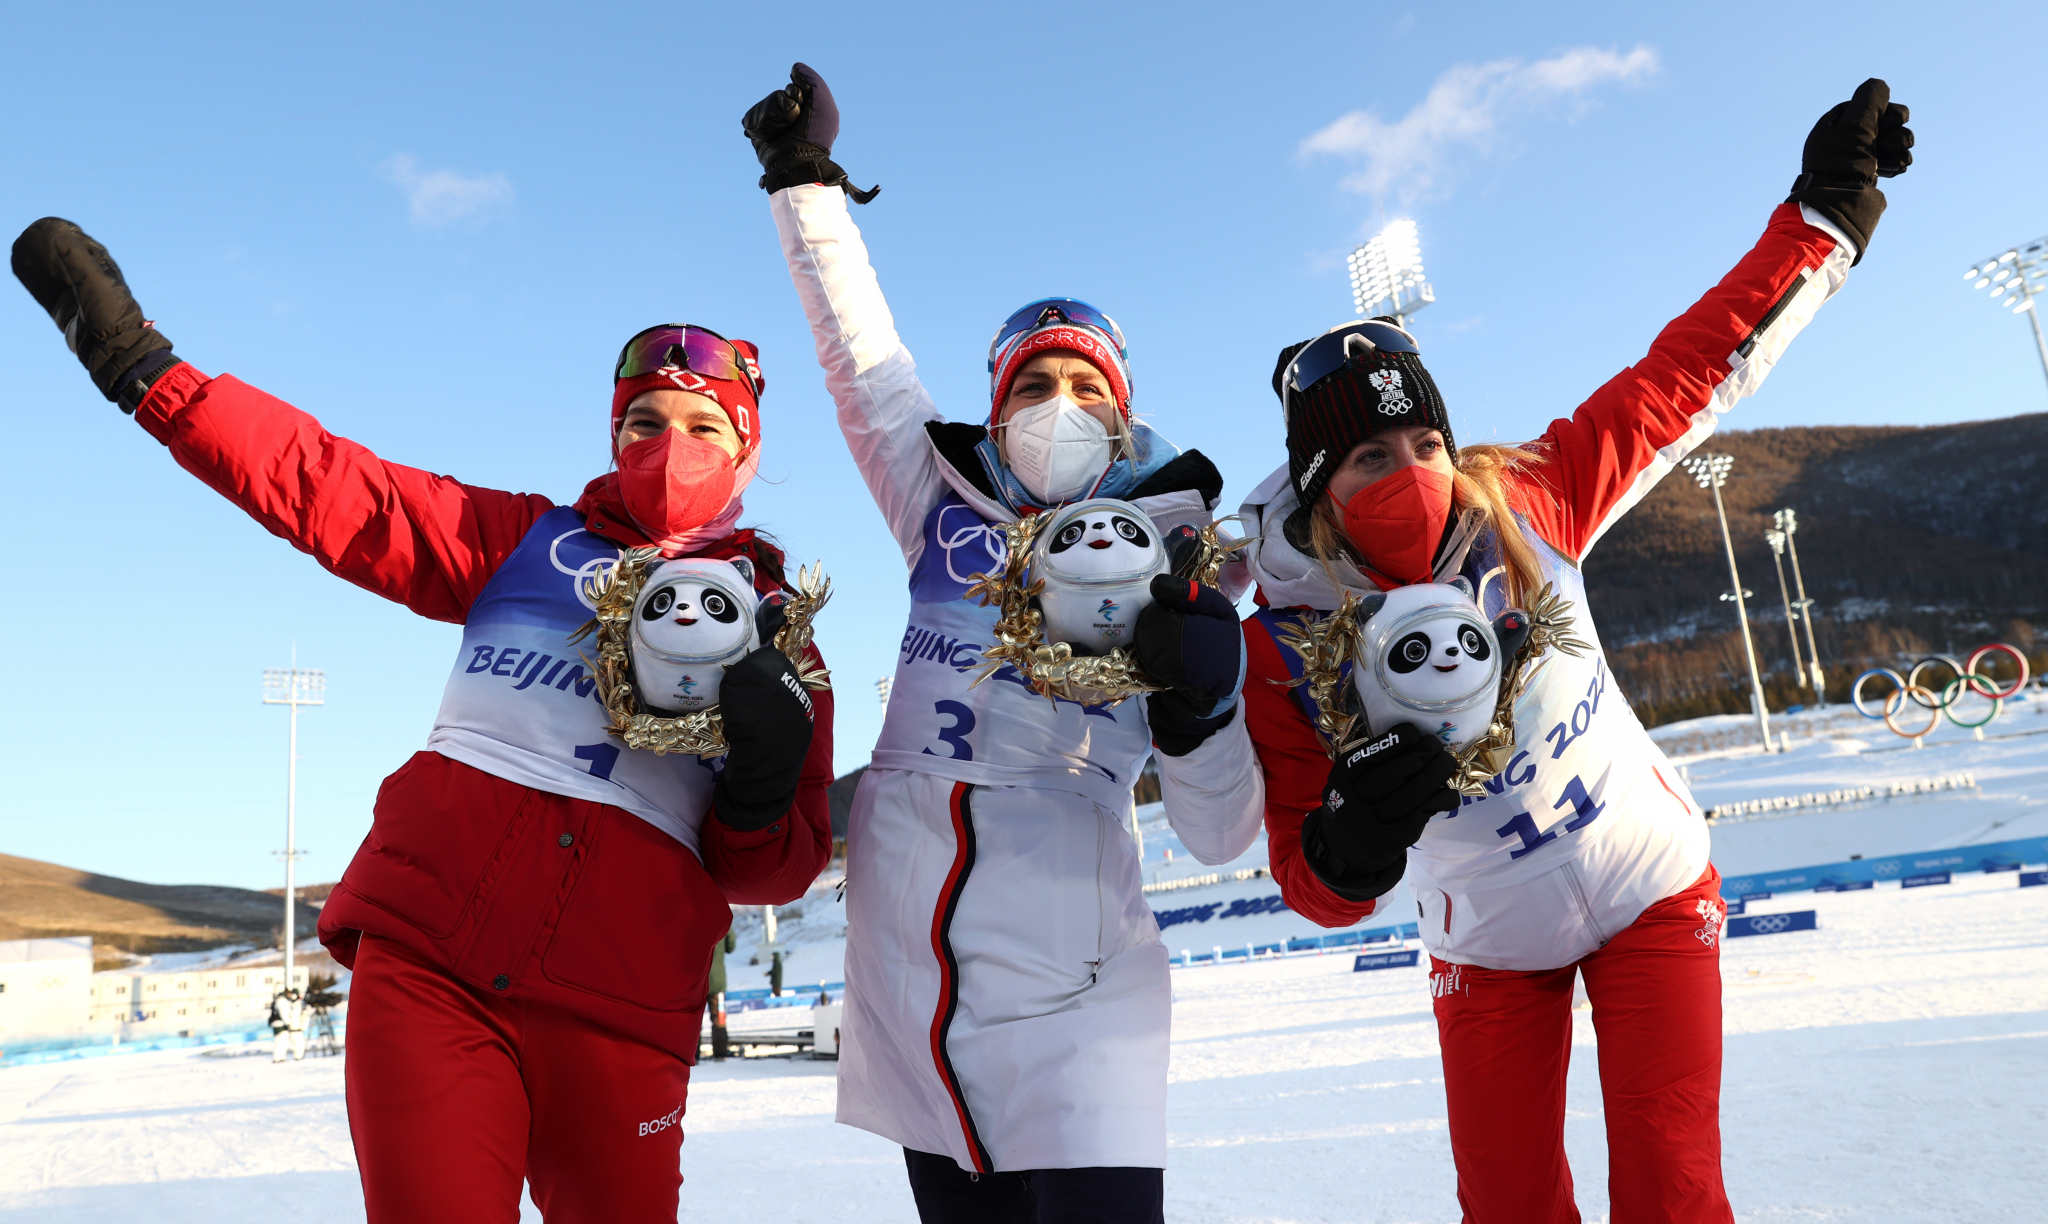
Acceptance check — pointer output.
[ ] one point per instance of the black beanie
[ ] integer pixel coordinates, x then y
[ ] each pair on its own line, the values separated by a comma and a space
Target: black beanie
1372, 392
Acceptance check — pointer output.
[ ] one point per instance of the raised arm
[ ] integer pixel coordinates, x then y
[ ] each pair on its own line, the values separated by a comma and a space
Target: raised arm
1590, 470
425, 541
883, 408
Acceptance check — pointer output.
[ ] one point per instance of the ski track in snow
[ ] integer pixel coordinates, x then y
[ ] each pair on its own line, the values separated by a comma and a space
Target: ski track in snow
1891, 1066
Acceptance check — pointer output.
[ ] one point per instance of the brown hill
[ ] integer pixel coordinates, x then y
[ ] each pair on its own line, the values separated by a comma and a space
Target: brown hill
1911, 540
40, 900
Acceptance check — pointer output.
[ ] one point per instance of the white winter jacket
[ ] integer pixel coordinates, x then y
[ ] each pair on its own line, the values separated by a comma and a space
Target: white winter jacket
1588, 825
1007, 994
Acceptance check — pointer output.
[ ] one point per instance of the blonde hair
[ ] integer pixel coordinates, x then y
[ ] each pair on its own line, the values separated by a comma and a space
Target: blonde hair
1477, 482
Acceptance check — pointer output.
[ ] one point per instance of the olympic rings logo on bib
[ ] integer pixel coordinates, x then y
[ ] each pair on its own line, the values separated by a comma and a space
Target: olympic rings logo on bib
1940, 703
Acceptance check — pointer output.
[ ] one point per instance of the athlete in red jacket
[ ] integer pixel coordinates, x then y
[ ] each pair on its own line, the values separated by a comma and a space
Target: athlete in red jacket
1585, 857
530, 920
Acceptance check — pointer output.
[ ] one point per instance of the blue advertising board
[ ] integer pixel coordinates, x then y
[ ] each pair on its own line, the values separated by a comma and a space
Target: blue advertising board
2033, 879
1991, 856
1385, 960
1923, 881
1770, 924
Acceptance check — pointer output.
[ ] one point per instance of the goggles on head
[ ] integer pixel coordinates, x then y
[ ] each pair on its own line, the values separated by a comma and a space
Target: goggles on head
1043, 312
1327, 353
685, 346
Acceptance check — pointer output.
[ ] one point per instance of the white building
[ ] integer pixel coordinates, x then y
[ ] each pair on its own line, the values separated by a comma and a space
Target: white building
45, 987
49, 993
186, 999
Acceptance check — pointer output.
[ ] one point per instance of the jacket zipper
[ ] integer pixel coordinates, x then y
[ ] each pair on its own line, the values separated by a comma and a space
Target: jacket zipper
1763, 325
1101, 894
1571, 876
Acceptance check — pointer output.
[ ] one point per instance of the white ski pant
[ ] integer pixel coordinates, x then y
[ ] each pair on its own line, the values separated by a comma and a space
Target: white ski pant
292, 1040
1007, 1000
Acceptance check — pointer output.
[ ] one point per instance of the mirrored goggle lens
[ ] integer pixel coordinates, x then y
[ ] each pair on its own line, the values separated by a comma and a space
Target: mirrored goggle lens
1326, 354
1041, 312
690, 348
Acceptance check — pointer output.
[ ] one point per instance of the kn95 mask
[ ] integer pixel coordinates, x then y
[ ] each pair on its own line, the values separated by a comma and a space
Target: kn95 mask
1057, 450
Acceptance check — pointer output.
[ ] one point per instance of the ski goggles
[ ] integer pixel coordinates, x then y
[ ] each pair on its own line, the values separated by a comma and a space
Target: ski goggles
1327, 353
1044, 312
684, 346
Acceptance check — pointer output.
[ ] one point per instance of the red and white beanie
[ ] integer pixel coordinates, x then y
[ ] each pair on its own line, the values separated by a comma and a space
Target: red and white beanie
1099, 350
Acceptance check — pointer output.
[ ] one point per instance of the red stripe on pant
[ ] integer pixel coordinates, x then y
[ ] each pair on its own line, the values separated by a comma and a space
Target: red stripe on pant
961, 812
456, 1095
1507, 1039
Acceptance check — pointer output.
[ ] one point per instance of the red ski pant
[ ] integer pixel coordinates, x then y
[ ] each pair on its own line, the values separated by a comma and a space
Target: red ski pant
457, 1095
1507, 1040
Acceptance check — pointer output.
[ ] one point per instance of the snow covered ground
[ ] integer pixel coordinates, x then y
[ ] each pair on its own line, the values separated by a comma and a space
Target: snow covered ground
1890, 1066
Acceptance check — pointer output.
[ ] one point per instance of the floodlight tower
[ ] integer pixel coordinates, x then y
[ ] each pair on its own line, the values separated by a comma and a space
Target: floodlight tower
883, 687
2017, 279
1776, 539
1711, 471
294, 687
1788, 522
1386, 274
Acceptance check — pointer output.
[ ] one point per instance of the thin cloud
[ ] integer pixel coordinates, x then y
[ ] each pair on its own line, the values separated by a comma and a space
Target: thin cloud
1465, 109
436, 197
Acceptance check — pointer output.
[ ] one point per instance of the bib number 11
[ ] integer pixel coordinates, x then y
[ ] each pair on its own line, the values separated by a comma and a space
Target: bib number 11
1523, 825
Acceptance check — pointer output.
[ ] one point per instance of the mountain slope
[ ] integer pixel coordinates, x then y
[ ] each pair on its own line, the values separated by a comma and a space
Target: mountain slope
39, 900
1910, 539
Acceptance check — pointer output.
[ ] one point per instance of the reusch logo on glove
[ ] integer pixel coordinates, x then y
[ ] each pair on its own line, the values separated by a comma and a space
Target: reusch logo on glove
1389, 740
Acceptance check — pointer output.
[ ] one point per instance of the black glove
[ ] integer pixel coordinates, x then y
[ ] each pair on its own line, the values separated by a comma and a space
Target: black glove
1375, 804
793, 130
767, 713
1188, 636
77, 282
1853, 145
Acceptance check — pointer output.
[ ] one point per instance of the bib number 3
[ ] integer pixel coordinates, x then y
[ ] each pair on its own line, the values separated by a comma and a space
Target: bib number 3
954, 737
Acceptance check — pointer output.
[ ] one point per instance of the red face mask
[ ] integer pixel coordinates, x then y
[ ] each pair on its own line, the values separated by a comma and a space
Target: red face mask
1397, 521
675, 483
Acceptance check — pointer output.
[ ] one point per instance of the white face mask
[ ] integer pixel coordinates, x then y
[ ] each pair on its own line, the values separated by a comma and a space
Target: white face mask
1056, 449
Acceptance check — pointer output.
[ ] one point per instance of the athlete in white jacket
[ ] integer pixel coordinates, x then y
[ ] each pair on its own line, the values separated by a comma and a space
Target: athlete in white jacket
1586, 856
1007, 997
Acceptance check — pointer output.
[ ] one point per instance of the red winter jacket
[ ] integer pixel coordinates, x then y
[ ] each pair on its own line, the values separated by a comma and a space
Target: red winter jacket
469, 870
1581, 476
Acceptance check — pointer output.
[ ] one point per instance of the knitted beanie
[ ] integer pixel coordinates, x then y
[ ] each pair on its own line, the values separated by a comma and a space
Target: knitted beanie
1372, 392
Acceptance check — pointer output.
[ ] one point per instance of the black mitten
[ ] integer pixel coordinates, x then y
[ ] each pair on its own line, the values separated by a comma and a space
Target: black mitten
1378, 799
793, 129
767, 714
79, 284
1189, 637
1853, 145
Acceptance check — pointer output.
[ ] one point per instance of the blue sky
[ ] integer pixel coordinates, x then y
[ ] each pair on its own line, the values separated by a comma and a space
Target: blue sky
433, 225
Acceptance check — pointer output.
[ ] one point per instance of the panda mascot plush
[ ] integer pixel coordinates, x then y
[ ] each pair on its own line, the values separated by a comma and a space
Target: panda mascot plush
1429, 656
693, 618
1097, 559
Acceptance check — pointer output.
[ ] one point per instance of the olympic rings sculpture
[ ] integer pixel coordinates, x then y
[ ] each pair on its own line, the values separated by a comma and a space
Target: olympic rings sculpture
1940, 703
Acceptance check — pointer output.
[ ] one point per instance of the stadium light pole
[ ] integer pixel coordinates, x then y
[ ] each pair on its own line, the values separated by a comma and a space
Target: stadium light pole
1788, 522
292, 686
1776, 539
2017, 279
1386, 274
1711, 472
